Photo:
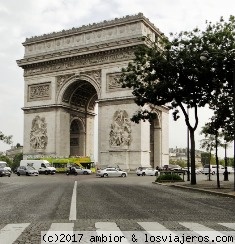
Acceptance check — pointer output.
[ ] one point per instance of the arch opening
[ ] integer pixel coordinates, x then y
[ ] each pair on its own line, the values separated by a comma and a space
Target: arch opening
81, 98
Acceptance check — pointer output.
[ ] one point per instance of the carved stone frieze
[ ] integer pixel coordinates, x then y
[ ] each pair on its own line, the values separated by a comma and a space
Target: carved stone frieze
61, 80
113, 81
39, 91
79, 62
95, 75
96, 33
38, 133
120, 133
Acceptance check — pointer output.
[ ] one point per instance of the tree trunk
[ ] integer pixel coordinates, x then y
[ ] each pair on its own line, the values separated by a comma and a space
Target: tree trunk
192, 153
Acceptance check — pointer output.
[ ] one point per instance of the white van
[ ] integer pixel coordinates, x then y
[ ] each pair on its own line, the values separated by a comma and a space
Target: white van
5, 165
43, 166
213, 169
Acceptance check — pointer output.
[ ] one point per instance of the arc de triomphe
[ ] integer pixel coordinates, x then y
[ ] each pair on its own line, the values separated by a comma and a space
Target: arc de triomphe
67, 73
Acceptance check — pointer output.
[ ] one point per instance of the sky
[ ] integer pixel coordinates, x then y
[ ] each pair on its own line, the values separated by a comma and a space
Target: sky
26, 18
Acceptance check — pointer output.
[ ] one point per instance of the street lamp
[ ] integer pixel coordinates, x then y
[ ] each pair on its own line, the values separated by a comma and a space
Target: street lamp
204, 56
225, 162
188, 171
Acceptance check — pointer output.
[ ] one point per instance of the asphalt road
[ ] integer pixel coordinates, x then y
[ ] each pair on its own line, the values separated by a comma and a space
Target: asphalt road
88, 200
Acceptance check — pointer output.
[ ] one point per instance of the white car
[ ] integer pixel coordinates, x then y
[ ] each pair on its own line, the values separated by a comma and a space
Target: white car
146, 171
27, 170
79, 171
197, 171
111, 172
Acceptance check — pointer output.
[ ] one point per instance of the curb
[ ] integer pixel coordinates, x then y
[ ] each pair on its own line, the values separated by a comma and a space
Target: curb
199, 190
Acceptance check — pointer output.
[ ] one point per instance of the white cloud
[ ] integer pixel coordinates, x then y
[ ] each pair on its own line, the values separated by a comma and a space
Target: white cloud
27, 18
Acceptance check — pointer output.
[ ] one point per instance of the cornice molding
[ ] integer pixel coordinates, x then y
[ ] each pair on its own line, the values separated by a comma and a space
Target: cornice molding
91, 27
75, 62
52, 107
81, 52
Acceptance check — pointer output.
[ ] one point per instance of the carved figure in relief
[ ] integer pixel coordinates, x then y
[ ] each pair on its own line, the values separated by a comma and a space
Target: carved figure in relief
120, 133
38, 134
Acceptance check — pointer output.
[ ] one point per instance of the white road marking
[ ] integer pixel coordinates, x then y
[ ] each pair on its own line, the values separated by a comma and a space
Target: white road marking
156, 229
204, 231
229, 225
61, 227
110, 228
73, 210
11, 232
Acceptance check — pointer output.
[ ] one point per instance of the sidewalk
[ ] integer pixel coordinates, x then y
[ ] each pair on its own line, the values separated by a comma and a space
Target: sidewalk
226, 187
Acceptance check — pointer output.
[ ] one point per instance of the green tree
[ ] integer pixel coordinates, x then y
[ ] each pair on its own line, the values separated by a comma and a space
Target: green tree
6, 159
6, 139
16, 161
176, 76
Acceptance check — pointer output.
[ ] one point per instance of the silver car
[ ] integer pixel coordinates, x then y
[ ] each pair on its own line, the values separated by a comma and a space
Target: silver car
27, 170
111, 172
146, 171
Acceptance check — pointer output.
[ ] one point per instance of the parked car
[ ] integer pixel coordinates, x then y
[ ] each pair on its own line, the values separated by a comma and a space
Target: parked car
76, 170
230, 170
5, 166
5, 172
197, 171
27, 170
111, 172
146, 171
213, 169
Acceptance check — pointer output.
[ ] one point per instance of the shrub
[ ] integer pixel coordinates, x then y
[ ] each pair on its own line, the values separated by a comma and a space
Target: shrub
169, 177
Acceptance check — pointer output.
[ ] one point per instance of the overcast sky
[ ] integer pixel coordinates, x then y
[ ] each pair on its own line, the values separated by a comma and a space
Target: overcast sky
27, 18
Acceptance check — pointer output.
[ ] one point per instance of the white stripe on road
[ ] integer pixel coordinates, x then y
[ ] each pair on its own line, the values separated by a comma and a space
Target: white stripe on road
203, 231
112, 228
229, 225
11, 232
162, 231
61, 227
73, 210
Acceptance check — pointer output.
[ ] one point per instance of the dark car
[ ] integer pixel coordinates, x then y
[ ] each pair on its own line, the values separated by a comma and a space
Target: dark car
4, 172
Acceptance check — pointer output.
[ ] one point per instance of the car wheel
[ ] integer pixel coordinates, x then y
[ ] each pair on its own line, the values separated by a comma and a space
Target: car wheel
27, 174
9, 175
213, 172
105, 175
143, 174
76, 173
85, 173
138, 174
0, 175
18, 173
123, 175
46, 172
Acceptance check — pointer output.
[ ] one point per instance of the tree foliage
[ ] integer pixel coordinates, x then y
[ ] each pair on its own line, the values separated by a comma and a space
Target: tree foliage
175, 75
6, 139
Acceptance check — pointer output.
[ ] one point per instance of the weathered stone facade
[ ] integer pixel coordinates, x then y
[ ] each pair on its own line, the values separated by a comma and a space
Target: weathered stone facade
67, 73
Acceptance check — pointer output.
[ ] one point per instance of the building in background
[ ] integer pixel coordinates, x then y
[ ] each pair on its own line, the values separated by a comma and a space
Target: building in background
180, 154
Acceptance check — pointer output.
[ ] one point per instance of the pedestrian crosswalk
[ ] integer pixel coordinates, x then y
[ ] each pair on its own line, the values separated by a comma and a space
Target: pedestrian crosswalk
20, 232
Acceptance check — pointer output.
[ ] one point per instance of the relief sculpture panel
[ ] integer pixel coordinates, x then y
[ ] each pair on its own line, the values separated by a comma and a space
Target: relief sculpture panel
39, 91
38, 133
120, 133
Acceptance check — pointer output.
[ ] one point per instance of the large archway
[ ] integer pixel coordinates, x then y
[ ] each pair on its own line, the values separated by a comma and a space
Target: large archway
80, 98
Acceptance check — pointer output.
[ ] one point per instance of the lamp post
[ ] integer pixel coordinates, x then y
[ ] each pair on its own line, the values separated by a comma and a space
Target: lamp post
225, 162
204, 56
188, 172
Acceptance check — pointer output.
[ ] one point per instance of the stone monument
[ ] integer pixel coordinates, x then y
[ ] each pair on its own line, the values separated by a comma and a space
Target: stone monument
67, 74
